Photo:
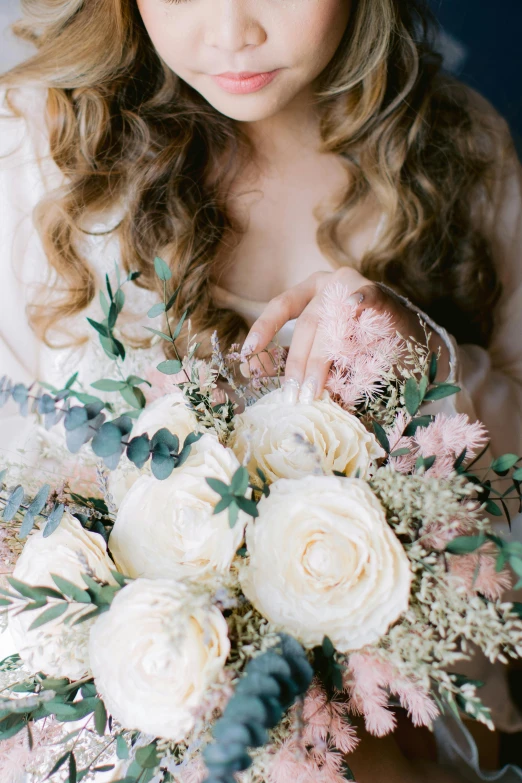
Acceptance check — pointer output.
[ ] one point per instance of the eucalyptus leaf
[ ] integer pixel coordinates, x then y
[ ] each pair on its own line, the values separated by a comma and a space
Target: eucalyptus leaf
164, 336
75, 417
162, 465
134, 396
27, 525
138, 450
71, 590
218, 486
170, 367
105, 384
104, 304
122, 750
107, 440
381, 436
100, 718
464, 545
179, 327
156, 310
100, 328
14, 501
162, 269
54, 519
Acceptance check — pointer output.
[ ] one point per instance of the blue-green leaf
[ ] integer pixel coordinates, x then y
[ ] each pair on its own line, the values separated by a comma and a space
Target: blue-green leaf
156, 310
161, 268
15, 500
52, 613
54, 519
170, 367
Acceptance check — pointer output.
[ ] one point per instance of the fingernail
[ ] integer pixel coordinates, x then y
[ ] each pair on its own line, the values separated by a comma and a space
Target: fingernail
355, 299
250, 344
308, 391
290, 391
244, 369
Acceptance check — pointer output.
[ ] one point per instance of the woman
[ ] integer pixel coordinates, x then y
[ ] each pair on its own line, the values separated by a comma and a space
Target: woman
348, 157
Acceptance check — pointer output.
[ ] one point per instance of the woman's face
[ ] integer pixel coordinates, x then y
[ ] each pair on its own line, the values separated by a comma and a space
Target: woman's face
202, 38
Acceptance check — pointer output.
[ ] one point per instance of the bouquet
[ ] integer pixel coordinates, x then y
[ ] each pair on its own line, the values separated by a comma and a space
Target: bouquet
247, 576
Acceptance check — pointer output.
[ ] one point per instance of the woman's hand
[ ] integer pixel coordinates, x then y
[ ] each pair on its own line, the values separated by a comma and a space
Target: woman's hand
307, 367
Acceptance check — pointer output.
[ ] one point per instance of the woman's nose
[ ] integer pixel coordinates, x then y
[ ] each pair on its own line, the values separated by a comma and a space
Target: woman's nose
234, 24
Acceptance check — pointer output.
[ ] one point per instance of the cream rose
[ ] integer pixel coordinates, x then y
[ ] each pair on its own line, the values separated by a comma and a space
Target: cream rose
169, 411
55, 648
292, 441
169, 529
154, 654
324, 562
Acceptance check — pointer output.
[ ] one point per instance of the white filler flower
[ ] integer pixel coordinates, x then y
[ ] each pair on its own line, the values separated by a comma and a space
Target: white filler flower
292, 441
169, 411
55, 648
169, 529
155, 653
324, 562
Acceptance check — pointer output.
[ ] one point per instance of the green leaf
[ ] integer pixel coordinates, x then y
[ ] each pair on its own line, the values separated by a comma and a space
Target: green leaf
412, 396
164, 336
432, 374
179, 327
172, 299
104, 304
75, 417
110, 347
504, 463
223, 504
100, 328
419, 421
71, 590
33, 592
15, 500
49, 615
105, 384
381, 436
400, 452
492, 508
27, 525
72, 769
441, 391
248, 506
162, 465
464, 545
40, 499
161, 268
148, 757
233, 513
218, 486
122, 750
61, 761
423, 385
107, 440
170, 367
109, 289
134, 396
53, 520
328, 648
156, 310
517, 475
239, 483
100, 718
112, 317
138, 450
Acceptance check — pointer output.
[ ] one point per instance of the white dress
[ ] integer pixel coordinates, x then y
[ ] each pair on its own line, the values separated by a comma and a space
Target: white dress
490, 380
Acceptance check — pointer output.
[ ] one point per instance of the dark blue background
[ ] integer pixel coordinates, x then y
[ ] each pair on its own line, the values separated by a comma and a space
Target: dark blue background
491, 32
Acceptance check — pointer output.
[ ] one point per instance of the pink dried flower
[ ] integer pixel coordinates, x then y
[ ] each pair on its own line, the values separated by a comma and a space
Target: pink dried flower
477, 573
406, 462
366, 681
325, 719
447, 437
437, 534
362, 350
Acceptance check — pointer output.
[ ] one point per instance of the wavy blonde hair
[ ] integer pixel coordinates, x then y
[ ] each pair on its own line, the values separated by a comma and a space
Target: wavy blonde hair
124, 128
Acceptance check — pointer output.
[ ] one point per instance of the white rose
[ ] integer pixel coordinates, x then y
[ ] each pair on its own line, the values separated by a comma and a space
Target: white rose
170, 412
324, 562
169, 529
55, 648
154, 655
292, 441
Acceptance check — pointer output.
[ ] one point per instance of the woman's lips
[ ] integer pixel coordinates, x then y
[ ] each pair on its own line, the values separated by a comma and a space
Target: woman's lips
239, 83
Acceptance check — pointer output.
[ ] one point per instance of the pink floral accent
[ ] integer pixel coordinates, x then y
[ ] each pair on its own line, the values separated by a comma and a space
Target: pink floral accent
362, 349
293, 764
406, 462
15, 753
366, 681
325, 721
477, 572
446, 438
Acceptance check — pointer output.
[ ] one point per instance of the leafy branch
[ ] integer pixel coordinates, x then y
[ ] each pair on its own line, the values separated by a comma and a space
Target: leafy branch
233, 496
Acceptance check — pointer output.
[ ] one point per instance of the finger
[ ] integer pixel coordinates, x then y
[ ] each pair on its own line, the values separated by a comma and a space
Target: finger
316, 373
282, 308
367, 296
302, 341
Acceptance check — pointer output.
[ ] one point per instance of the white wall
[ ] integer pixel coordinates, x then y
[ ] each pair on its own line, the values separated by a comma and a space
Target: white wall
11, 49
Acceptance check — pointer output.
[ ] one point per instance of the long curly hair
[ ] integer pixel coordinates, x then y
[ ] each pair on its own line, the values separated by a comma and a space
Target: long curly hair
125, 129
